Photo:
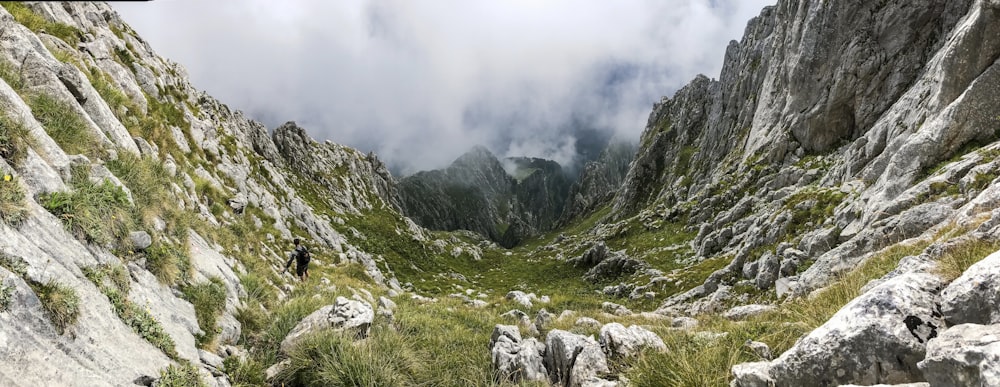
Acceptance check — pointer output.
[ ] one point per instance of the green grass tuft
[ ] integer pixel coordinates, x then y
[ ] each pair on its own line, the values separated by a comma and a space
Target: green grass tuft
386, 358
96, 213
148, 181
184, 375
24, 15
14, 207
15, 139
960, 257
65, 126
209, 300
168, 263
60, 302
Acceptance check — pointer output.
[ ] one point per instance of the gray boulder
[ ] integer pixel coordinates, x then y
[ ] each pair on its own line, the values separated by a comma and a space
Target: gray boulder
975, 296
516, 360
620, 342
345, 315
574, 360
744, 312
789, 265
543, 318
768, 271
755, 374
593, 256
750, 269
684, 322
760, 349
141, 240
964, 355
876, 338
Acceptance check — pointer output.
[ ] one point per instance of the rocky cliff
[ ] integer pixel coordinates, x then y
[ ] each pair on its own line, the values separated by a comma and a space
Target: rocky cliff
479, 193
836, 130
825, 132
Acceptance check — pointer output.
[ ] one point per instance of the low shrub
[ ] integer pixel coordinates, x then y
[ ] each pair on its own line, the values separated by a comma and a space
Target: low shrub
245, 372
14, 264
60, 302
182, 375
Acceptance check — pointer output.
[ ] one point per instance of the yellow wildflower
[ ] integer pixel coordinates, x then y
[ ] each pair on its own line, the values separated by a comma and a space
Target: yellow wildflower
7, 177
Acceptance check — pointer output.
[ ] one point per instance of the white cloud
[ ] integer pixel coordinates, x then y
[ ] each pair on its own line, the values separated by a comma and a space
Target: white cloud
421, 82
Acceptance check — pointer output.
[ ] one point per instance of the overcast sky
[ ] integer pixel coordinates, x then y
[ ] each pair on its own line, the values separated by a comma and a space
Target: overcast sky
421, 82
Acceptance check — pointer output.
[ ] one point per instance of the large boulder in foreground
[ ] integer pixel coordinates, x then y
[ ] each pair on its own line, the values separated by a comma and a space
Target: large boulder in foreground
344, 315
876, 338
975, 296
514, 359
964, 355
574, 360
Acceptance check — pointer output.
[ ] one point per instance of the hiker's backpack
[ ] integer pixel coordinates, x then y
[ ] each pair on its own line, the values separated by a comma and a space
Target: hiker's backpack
304, 254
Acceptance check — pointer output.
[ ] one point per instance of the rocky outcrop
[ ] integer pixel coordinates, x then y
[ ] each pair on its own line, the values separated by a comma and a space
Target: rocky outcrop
574, 360
465, 196
221, 172
351, 316
974, 298
877, 338
515, 359
964, 355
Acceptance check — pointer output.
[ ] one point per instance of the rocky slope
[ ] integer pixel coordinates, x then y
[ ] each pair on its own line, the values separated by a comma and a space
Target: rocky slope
835, 130
827, 132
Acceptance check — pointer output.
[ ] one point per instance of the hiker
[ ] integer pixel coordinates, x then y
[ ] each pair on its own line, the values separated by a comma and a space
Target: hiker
301, 257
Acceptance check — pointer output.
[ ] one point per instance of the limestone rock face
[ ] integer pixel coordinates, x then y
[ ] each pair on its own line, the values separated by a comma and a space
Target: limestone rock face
964, 355
975, 296
877, 338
